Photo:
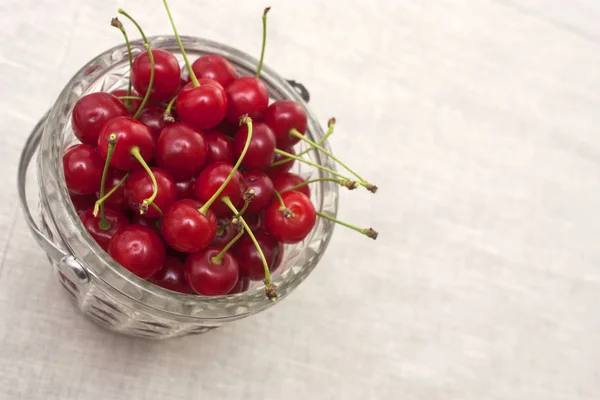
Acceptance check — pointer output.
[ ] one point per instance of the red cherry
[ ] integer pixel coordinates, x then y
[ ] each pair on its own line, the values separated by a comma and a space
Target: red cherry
241, 286
262, 146
220, 148
263, 190
286, 180
296, 227
138, 249
181, 150
187, 230
210, 180
117, 199
171, 276
283, 167
202, 107
151, 223
249, 259
215, 67
116, 220
134, 104
185, 189
130, 133
83, 168
225, 232
282, 116
153, 118
255, 221
209, 279
91, 112
82, 202
166, 74
139, 187
246, 95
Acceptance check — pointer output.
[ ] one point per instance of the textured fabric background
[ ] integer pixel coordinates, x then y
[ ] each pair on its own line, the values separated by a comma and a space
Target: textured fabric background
479, 122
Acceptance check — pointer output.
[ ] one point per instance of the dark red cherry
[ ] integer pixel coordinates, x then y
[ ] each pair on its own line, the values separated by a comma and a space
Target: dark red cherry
82, 202
185, 189
215, 67
283, 167
262, 146
209, 279
295, 228
210, 180
91, 112
115, 218
117, 199
171, 276
282, 116
83, 168
166, 74
139, 187
263, 190
138, 249
241, 286
181, 150
202, 107
185, 229
246, 95
152, 223
249, 259
220, 148
224, 234
153, 118
255, 221
130, 133
286, 180
131, 105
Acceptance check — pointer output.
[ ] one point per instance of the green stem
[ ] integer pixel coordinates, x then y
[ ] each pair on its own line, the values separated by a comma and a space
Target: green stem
167, 114
245, 120
302, 160
116, 23
135, 152
269, 289
150, 56
187, 62
160, 103
102, 199
217, 259
264, 41
369, 232
350, 185
112, 143
331, 124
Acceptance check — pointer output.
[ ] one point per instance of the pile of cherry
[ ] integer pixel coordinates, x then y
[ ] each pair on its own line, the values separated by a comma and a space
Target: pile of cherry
187, 182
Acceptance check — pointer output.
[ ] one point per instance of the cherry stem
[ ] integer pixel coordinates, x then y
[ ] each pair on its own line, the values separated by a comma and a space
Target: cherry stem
150, 56
217, 259
350, 185
302, 160
269, 289
243, 120
286, 212
331, 124
117, 24
264, 41
167, 117
187, 62
135, 152
102, 199
248, 196
369, 232
112, 143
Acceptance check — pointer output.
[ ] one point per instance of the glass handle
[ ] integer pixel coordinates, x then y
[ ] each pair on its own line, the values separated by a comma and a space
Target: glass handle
301, 90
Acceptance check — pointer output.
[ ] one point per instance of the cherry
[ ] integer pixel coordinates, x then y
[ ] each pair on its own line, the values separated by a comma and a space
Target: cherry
296, 226
153, 224
211, 277
255, 221
285, 181
152, 117
181, 150
247, 95
185, 189
83, 168
138, 249
117, 198
186, 229
91, 112
130, 134
263, 189
204, 105
262, 146
166, 74
139, 186
82, 202
281, 163
171, 276
131, 105
241, 286
215, 67
220, 148
116, 220
211, 179
226, 231
249, 259
282, 116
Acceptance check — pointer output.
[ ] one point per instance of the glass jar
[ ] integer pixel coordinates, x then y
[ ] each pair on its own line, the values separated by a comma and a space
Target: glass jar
103, 290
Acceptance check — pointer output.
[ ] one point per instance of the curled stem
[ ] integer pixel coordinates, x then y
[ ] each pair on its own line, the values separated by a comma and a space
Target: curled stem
368, 232
135, 152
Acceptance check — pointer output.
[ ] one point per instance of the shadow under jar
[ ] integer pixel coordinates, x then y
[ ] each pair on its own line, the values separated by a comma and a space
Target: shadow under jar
103, 290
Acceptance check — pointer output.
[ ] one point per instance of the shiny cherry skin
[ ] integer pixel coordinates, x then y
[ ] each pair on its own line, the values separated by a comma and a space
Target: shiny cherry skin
117, 199
295, 228
215, 67
83, 168
129, 133
139, 187
284, 167
282, 116
171, 276
133, 103
185, 189
202, 107
262, 146
166, 74
249, 259
246, 95
185, 229
286, 180
209, 181
181, 150
220, 148
241, 286
225, 232
82, 202
255, 221
138, 249
153, 118
263, 190
91, 112
209, 279
116, 219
